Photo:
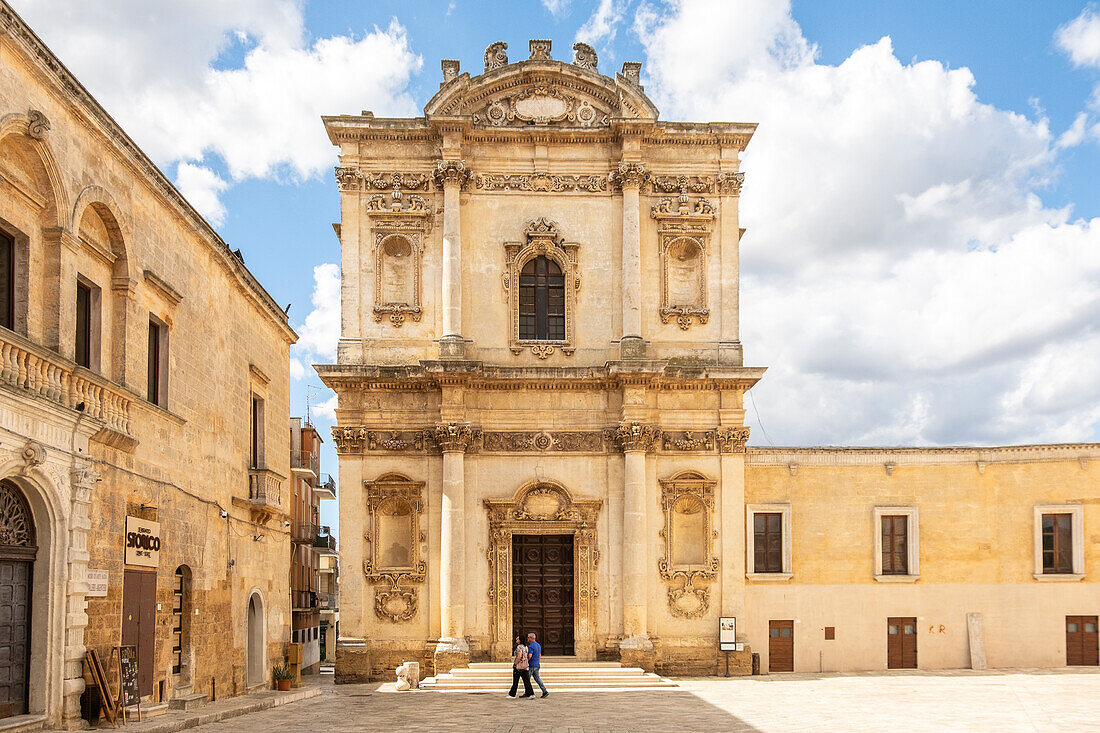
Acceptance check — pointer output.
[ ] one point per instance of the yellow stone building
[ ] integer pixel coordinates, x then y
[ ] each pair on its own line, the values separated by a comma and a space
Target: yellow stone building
541, 422
143, 417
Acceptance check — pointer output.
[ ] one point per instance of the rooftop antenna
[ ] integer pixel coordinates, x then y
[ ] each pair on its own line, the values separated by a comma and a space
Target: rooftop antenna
309, 400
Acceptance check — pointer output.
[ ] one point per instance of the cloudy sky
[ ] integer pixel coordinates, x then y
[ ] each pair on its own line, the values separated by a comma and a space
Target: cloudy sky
922, 264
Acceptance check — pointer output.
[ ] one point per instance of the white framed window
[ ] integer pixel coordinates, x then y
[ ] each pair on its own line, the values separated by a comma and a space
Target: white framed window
768, 542
1059, 539
896, 532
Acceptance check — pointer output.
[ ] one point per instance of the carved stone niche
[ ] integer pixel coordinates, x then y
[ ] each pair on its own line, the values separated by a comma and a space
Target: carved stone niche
542, 239
393, 558
543, 103
684, 227
689, 564
542, 507
399, 225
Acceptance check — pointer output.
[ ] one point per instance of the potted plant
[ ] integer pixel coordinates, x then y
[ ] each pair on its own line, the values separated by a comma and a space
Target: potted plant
283, 675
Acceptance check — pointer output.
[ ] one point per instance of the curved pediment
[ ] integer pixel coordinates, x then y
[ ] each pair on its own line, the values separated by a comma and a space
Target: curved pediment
541, 92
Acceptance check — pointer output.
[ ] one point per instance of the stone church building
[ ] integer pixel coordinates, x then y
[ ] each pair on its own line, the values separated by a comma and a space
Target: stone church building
541, 420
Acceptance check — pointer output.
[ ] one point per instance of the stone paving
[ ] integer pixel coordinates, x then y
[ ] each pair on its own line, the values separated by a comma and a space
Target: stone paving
1003, 700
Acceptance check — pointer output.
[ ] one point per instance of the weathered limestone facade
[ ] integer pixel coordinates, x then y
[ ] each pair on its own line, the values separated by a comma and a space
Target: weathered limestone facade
85, 447
540, 343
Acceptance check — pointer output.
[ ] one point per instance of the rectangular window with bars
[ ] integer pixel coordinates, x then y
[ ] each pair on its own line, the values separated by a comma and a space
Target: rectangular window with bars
768, 542
895, 545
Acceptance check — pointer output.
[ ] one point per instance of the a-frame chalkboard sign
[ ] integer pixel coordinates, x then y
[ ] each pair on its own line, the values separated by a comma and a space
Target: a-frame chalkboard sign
99, 677
128, 693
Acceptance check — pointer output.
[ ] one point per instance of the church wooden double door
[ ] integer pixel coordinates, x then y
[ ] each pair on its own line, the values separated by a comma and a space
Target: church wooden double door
542, 590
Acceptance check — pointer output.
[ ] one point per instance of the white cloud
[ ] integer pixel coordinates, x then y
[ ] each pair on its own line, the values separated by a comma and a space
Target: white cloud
557, 8
236, 79
901, 276
1080, 39
201, 187
602, 26
327, 409
1075, 134
319, 333
297, 370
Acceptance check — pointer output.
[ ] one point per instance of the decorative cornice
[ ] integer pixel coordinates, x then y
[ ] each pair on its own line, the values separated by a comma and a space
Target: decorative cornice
634, 436
541, 181
784, 457
544, 441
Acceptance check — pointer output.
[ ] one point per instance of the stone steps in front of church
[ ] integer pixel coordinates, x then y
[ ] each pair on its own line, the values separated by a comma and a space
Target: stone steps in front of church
558, 675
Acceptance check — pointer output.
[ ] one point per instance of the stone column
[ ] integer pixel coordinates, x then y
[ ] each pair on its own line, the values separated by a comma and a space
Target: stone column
629, 177
453, 650
731, 447
82, 481
635, 439
350, 181
452, 175
729, 191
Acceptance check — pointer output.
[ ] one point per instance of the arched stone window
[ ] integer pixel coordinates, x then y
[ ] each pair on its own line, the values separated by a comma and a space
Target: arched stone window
17, 553
541, 279
541, 301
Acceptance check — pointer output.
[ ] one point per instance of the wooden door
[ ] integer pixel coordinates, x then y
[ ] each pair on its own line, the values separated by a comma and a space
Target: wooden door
15, 629
901, 643
542, 590
781, 646
1081, 641
139, 614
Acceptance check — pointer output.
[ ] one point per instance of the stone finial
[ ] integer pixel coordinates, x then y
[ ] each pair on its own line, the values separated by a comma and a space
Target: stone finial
632, 70
540, 49
495, 56
584, 56
450, 69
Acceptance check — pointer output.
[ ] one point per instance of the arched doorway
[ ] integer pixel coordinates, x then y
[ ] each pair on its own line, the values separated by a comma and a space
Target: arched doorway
255, 666
17, 551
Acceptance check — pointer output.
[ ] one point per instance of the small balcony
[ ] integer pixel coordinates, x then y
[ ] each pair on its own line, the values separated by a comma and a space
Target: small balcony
304, 533
325, 487
265, 489
329, 601
305, 464
325, 542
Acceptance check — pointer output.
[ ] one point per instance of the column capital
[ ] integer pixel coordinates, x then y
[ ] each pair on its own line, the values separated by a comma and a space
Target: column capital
729, 184
731, 439
635, 437
628, 176
451, 172
454, 437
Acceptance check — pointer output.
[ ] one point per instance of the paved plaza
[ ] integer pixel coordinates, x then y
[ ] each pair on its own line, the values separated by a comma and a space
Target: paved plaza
1017, 700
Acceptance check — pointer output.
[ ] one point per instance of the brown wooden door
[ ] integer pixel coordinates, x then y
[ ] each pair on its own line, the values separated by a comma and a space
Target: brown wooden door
781, 646
901, 643
15, 628
139, 614
1081, 641
542, 590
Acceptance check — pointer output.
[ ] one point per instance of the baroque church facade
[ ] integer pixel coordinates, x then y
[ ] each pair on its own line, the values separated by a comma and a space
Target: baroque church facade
541, 420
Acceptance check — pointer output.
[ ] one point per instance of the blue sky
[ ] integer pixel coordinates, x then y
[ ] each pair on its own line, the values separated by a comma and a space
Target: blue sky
922, 264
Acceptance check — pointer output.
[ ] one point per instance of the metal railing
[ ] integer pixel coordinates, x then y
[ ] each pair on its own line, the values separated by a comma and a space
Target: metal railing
325, 541
304, 533
307, 460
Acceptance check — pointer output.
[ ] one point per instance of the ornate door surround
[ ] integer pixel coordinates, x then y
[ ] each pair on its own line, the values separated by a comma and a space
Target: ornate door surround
543, 507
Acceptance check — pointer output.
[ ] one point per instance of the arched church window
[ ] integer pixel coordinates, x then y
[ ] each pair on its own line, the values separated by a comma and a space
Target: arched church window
541, 301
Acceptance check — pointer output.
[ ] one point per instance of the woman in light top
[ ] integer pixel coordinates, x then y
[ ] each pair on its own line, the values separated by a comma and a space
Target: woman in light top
520, 669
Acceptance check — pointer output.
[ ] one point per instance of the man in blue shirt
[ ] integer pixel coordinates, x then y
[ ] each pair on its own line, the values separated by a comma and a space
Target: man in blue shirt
535, 656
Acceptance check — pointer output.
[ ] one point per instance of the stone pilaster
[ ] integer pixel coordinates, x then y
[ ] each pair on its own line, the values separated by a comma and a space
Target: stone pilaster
629, 178
453, 650
635, 439
452, 175
82, 483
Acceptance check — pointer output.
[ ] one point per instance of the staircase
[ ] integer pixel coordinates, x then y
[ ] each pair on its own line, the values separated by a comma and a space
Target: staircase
559, 674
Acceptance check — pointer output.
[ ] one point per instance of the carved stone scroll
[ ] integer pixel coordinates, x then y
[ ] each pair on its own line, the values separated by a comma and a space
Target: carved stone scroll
495, 55
689, 564
393, 540
584, 56
543, 508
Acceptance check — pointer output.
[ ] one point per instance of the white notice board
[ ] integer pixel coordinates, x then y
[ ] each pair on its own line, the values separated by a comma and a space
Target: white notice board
727, 634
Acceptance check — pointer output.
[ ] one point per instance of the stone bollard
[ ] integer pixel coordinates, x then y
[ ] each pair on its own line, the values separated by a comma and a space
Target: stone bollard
408, 676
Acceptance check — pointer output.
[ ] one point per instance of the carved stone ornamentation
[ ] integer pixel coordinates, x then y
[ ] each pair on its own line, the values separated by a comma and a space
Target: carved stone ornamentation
37, 125
732, 440
399, 226
729, 184
451, 172
540, 50
393, 552
632, 71
454, 437
689, 564
16, 521
542, 238
543, 104
495, 56
689, 440
634, 436
33, 455
564, 442
348, 439
683, 228
584, 56
543, 508
541, 182
396, 440
348, 179
450, 69
396, 181
628, 175
682, 184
